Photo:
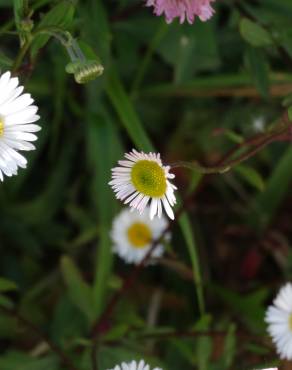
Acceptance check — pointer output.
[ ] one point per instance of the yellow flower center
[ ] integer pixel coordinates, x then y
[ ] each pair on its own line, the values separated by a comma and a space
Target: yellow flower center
149, 178
139, 235
1, 127
290, 322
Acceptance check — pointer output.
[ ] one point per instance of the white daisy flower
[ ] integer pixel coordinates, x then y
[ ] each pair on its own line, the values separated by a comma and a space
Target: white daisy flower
17, 115
142, 178
133, 233
134, 365
279, 320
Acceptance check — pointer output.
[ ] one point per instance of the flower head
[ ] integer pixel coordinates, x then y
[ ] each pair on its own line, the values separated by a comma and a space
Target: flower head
17, 115
279, 320
142, 178
182, 9
133, 234
134, 366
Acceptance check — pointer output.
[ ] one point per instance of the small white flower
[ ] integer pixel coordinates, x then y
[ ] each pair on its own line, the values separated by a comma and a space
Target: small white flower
259, 124
133, 233
279, 320
134, 366
142, 178
17, 115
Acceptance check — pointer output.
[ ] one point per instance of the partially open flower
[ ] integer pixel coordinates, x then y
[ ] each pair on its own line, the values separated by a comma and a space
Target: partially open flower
17, 115
182, 9
142, 178
133, 235
279, 320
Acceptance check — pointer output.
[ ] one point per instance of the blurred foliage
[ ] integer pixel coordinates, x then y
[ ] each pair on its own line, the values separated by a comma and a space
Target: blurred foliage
191, 92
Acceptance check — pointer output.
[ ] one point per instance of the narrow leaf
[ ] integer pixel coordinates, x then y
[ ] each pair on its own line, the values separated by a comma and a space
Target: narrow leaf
251, 176
79, 291
7, 285
254, 34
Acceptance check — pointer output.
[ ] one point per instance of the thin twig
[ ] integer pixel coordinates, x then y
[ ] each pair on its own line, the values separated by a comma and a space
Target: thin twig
25, 322
229, 164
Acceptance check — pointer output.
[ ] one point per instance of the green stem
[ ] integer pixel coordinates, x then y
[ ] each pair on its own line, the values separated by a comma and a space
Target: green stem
52, 31
21, 55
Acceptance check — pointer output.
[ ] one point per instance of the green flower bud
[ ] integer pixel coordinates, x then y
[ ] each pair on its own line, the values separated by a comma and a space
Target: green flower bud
85, 71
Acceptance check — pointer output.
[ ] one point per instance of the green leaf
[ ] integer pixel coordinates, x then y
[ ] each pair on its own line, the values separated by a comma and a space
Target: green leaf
7, 285
257, 64
190, 49
104, 149
249, 307
60, 16
147, 59
22, 19
127, 114
5, 61
204, 352
187, 232
20, 9
98, 31
234, 136
289, 110
117, 332
266, 204
254, 34
52, 196
15, 360
79, 291
251, 176
229, 347
68, 322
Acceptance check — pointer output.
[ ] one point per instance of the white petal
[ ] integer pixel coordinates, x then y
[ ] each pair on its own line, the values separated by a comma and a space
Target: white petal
153, 208
18, 135
167, 208
23, 128
20, 144
28, 115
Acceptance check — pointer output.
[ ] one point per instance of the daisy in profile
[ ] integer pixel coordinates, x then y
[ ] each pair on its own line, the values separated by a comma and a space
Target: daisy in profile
134, 365
141, 179
17, 115
182, 9
279, 320
132, 235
